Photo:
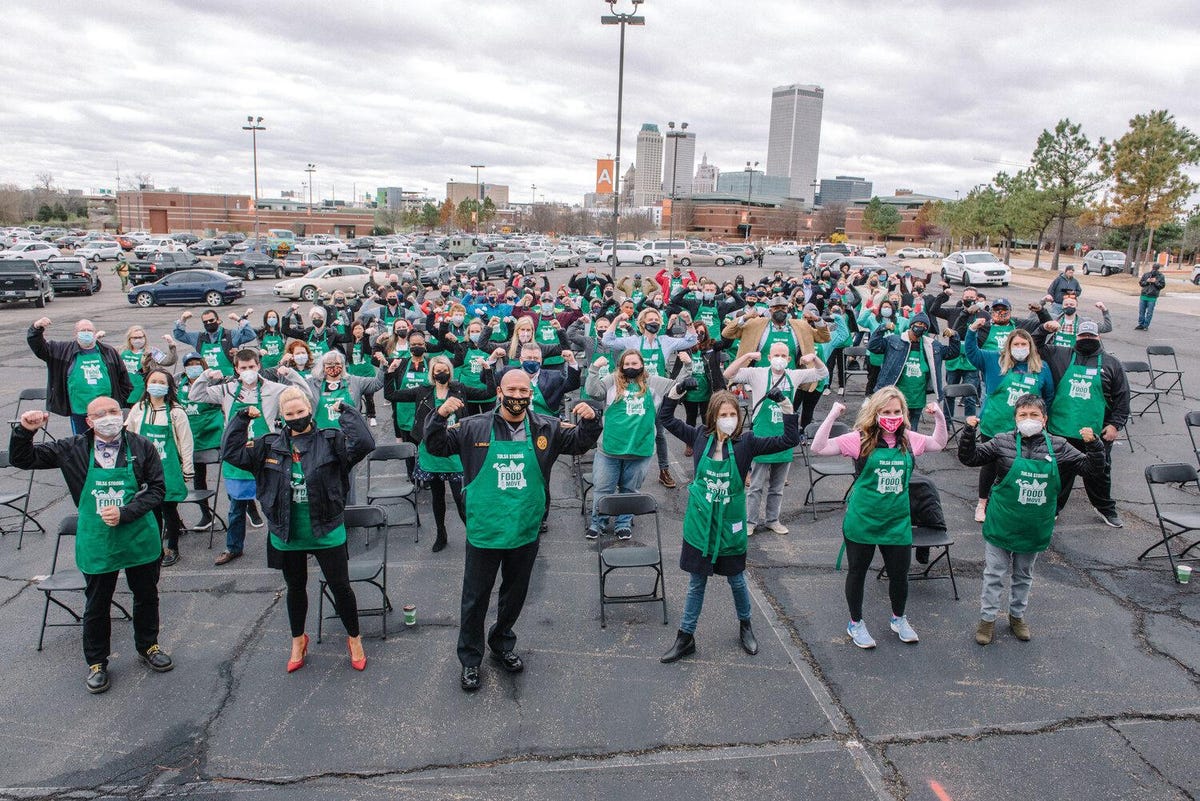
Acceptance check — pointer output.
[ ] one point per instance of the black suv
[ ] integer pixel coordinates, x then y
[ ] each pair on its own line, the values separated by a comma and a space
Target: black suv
72, 274
24, 280
250, 265
159, 264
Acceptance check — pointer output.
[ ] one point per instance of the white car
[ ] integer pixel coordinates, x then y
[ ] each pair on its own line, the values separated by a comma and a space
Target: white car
975, 267
781, 250
164, 244
630, 253
38, 251
908, 253
99, 249
926, 253
349, 278
874, 251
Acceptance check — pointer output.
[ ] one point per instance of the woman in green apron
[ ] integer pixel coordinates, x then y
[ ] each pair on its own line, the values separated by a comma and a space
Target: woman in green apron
134, 355
714, 525
868, 321
207, 423
298, 356
523, 333
159, 418
698, 362
270, 339
1021, 512
407, 372
360, 362
1015, 370
471, 354
877, 512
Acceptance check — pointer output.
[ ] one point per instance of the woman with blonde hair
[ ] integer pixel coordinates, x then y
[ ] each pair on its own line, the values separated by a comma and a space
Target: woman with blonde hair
877, 512
138, 358
523, 331
1014, 370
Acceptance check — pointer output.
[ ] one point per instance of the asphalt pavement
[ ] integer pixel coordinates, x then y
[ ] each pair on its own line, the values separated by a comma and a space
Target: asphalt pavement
1103, 703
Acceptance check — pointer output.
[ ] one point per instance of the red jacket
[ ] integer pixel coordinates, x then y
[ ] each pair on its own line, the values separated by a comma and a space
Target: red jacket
664, 280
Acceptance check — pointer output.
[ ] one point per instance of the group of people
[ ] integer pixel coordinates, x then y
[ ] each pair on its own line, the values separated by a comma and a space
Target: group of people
482, 376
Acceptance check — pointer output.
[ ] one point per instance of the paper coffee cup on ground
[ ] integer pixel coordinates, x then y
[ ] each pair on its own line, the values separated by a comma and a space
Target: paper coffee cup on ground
1183, 573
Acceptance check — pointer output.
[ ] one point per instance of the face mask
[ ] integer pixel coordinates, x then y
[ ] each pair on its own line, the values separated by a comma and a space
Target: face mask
1068, 310
1020, 354
109, 425
211, 326
889, 423
779, 317
918, 330
514, 406
632, 373
418, 350
318, 322
156, 390
456, 319
530, 366
474, 336
339, 301
885, 312
193, 371
591, 276
547, 308
442, 377
1087, 347
86, 338
1030, 428
138, 343
250, 376
807, 281
652, 328
524, 336
726, 425
393, 301
299, 424
272, 321
708, 296
779, 363
402, 333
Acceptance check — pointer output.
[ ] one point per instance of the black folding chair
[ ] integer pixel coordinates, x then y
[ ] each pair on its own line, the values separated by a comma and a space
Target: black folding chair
821, 469
64, 580
959, 392
370, 569
1161, 373
19, 503
206, 499
1146, 392
631, 557
930, 539
1176, 519
391, 487
860, 355
1192, 421
37, 394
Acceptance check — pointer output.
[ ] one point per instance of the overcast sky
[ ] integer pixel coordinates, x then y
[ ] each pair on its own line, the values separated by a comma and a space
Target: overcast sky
409, 94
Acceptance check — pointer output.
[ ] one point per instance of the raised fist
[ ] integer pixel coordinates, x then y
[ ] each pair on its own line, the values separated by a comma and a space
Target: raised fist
42, 323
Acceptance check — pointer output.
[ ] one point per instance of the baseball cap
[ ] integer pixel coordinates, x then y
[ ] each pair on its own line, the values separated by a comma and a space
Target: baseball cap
1001, 302
1088, 327
778, 300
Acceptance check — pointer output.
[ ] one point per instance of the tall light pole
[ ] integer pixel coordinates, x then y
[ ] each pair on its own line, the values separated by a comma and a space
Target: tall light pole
749, 194
674, 136
254, 125
622, 19
310, 169
479, 195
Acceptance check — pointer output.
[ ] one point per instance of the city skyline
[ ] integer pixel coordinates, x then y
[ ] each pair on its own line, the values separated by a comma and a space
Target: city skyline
794, 138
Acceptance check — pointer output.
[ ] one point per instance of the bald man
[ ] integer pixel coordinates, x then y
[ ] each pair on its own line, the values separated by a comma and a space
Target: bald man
116, 480
506, 455
78, 370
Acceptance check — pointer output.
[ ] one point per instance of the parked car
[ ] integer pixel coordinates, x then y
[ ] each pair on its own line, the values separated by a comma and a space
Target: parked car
24, 280
840, 247
541, 261
327, 279
827, 258
186, 239
874, 251
210, 247
158, 245
251, 265
143, 271
592, 254
189, 287
739, 254
126, 242
72, 274
781, 250
704, 255
299, 264
1196, 275
99, 249
908, 253
492, 265
565, 257
629, 253
973, 267
232, 237
319, 246
1105, 262
432, 270
37, 251
926, 253
854, 263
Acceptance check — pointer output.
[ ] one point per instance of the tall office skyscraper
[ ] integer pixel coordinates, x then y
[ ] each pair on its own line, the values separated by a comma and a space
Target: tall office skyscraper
795, 136
647, 186
706, 177
679, 164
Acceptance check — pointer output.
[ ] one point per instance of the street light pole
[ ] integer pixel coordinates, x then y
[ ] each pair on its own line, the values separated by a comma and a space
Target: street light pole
749, 194
254, 125
622, 19
479, 195
310, 169
674, 136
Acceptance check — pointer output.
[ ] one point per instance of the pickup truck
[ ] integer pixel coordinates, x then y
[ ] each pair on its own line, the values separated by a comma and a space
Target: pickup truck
24, 280
144, 271
327, 247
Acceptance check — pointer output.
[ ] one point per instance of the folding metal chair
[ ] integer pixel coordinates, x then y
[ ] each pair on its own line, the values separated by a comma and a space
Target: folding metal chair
860, 354
392, 487
19, 503
207, 499
821, 469
631, 557
37, 394
930, 538
1179, 518
959, 392
370, 569
1192, 421
1172, 373
64, 580
1147, 392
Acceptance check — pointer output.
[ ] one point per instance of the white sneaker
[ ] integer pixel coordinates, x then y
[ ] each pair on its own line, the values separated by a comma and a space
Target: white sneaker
905, 631
749, 529
858, 632
371, 422
777, 527
841, 390
981, 510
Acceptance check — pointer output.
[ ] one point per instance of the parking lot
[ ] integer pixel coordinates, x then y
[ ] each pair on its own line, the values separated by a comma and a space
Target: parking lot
1103, 703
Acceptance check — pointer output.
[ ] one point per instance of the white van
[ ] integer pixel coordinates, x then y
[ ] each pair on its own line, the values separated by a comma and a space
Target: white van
632, 253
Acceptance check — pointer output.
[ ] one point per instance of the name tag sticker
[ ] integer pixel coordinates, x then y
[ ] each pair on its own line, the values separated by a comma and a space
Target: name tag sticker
1090, 371
269, 460
736, 527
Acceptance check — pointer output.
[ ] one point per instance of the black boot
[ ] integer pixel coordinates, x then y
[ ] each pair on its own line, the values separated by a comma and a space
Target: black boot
746, 635
684, 644
439, 541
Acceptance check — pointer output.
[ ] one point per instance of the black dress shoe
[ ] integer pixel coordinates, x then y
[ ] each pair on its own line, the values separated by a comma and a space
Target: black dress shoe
544, 527
470, 678
684, 644
156, 659
254, 516
746, 635
509, 661
439, 542
97, 680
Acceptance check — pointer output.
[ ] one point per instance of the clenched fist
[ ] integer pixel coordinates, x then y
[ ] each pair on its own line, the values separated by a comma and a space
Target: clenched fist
584, 411
451, 406
33, 420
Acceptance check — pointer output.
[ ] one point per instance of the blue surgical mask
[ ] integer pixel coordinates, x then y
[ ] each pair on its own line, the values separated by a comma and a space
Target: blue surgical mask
194, 371
86, 338
474, 336
885, 312
156, 390
547, 308
530, 366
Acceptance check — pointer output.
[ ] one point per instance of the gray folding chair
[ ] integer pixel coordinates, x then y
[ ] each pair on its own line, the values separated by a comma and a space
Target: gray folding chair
390, 486
1144, 392
369, 569
64, 580
860, 354
19, 503
36, 397
1176, 519
959, 392
631, 557
931, 539
1192, 421
821, 469
206, 499
1173, 375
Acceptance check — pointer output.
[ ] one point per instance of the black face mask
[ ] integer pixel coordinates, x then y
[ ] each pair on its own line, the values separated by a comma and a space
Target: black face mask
441, 377
632, 373
652, 328
417, 350
300, 423
1087, 347
779, 317
211, 326
1068, 310
514, 406
402, 333
918, 330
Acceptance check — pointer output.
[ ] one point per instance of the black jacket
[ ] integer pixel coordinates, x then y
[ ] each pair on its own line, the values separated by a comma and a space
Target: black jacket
553, 384
1002, 449
725, 304
73, 456
1152, 283
745, 447
424, 398
326, 457
1113, 382
310, 334
60, 356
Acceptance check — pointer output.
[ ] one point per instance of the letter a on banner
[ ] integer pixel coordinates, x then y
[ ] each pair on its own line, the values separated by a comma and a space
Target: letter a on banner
604, 176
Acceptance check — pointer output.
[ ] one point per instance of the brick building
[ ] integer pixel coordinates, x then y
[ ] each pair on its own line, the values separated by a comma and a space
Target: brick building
199, 212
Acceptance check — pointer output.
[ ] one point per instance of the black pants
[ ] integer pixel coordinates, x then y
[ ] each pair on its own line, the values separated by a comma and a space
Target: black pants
1099, 488
837, 366
200, 477
987, 474
437, 494
369, 404
694, 410
806, 403
167, 515
515, 566
872, 376
97, 614
858, 564
335, 567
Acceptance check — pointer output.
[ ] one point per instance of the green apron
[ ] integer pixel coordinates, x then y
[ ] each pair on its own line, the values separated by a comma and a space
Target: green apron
206, 421
999, 408
653, 358
703, 390
404, 414
877, 512
1020, 514
318, 347
637, 296
163, 437
546, 335
768, 421
538, 402
715, 521
258, 428
327, 414
360, 360
133, 366
629, 425
215, 356
997, 336
99, 547
1064, 338
712, 321
439, 464
300, 530
1078, 400
471, 372
87, 380
914, 377
505, 501
786, 336
674, 285
272, 349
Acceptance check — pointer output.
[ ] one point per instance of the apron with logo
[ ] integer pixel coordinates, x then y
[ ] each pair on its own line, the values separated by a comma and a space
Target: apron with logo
653, 358
99, 547
703, 390
300, 529
629, 425
715, 521
439, 464
258, 428
914, 380
1078, 400
471, 372
163, 437
87, 380
1020, 514
786, 336
206, 421
133, 366
215, 357
360, 360
768, 420
877, 512
272, 349
546, 335
999, 408
505, 501
997, 336
1064, 337
319, 347
327, 414
405, 414
711, 319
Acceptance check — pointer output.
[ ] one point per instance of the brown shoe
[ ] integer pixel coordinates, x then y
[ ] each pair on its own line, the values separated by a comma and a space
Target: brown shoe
225, 557
985, 631
1020, 628
664, 477
687, 450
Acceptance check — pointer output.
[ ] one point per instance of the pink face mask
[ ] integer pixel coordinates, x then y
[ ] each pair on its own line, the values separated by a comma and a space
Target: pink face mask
889, 423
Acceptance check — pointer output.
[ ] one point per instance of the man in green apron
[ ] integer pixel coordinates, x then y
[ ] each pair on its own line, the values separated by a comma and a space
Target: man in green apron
1021, 510
549, 386
115, 479
78, 370
215, 344
207, 422
506, 455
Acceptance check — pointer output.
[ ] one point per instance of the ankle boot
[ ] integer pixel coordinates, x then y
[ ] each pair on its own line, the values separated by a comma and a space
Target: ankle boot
746, 635
439, 542
684, 644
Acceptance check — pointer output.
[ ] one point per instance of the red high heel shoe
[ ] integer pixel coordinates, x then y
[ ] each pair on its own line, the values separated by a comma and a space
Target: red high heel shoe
357, 664
295, 664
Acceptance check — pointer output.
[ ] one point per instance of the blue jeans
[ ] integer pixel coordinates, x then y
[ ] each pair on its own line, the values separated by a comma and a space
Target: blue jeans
1146, 311
611, 476
695, 600
962, 377
660, 446
914, 418
235, 535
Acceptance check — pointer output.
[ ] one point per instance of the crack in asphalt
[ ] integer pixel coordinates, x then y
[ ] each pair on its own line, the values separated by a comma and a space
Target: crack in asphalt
980, 733
1162, 777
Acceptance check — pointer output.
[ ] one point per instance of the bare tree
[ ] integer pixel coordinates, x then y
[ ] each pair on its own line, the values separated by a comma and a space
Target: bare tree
11, 205
44, 181
637, 224
143, 180
829, 219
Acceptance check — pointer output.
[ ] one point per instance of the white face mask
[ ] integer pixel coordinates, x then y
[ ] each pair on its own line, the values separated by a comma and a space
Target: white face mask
249, 376
1020, 354
1030, 428
726, 425
779, 363
108, 426
300, 357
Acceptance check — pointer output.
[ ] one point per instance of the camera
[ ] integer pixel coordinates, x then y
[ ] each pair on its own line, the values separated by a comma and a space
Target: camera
688, 384
776, 395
